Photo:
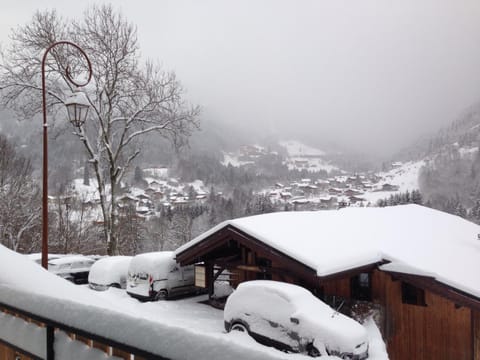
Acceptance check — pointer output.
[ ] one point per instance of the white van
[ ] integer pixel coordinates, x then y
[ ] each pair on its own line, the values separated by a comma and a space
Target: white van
156, 275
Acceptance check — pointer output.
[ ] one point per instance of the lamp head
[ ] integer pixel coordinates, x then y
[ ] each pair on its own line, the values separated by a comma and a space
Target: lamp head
77, 107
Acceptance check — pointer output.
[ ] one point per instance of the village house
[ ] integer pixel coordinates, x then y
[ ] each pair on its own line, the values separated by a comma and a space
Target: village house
352, 192
416, 267
127, 200
150, 191
389, 187
355, 199
322, 184
334, 191
328, 202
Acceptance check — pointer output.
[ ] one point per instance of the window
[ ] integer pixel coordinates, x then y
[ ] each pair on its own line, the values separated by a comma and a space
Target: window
413, 295
361, 287
266, 266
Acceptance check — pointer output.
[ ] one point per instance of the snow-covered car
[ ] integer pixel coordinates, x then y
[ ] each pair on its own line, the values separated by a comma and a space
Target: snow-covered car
156, 276
292, 319
74, 268
37, 257
110, 271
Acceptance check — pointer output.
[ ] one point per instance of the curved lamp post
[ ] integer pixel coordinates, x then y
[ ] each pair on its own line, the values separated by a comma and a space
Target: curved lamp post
77, 107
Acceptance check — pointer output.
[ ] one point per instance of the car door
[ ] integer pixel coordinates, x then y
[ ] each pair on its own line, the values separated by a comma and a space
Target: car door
188, 274
175, 279
271, 320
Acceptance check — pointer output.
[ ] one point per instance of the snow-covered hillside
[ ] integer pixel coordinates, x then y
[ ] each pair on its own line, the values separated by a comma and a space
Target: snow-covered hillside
404, 177
304, 157
347, 190
296, 148
298, 156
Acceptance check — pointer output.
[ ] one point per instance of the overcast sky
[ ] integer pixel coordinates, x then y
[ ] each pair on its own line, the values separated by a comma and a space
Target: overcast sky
370, 73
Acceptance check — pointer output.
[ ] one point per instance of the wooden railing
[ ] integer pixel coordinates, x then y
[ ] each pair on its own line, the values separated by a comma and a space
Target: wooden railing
9, 350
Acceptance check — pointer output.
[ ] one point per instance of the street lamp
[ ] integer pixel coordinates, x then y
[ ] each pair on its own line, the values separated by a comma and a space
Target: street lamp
77, 107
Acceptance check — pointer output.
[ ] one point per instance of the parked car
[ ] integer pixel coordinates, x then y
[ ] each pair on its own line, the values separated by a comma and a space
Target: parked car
74, 268
37, 257
110, 271
156, 276
292, 319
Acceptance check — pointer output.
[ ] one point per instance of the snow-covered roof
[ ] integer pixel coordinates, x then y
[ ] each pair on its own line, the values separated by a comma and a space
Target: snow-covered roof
413, 238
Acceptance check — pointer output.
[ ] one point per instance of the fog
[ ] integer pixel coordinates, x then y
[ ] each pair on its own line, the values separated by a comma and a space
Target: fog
372, 75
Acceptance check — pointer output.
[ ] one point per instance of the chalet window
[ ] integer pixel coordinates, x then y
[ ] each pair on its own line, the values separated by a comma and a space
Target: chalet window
266, 266
413, 295
361, 287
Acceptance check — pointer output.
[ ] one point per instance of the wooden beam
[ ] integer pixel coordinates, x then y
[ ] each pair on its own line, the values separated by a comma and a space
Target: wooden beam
50, 342
249, 268
199, 251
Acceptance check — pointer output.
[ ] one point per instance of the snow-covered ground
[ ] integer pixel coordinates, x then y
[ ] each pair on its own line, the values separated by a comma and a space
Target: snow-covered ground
86, 192
404, 176
296, 148
301, 156
178, 329
232, 159
191, 313
158, 173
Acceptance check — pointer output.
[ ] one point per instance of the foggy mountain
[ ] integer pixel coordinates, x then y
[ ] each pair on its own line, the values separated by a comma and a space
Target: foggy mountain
464, 132
214, 138
450, 179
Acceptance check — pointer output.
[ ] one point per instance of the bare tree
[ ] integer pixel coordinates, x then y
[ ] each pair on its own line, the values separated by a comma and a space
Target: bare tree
19, 199
128, 99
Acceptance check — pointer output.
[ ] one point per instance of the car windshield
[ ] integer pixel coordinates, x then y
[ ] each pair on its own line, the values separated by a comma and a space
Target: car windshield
143, 276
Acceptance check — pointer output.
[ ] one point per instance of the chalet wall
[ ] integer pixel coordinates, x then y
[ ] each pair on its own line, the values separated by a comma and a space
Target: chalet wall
439, 331
339, 287
476, 334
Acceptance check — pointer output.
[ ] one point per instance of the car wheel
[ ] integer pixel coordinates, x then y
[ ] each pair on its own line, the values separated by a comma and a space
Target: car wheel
115, 285
239, 327
161, 295
312, 351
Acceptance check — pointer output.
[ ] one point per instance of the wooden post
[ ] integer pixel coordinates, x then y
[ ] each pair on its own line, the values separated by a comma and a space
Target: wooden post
209, 277
476, 334
50, 342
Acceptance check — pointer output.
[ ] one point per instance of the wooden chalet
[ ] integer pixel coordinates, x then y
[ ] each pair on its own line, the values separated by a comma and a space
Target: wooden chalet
422, 314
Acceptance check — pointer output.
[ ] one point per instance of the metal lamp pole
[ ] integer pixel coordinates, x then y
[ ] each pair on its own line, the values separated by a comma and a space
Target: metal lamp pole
78, 109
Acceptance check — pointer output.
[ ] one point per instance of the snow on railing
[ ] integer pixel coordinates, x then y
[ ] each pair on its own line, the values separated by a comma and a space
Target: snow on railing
24, 334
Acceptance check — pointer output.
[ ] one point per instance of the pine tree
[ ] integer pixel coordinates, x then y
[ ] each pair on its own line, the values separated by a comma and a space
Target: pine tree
416, 197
